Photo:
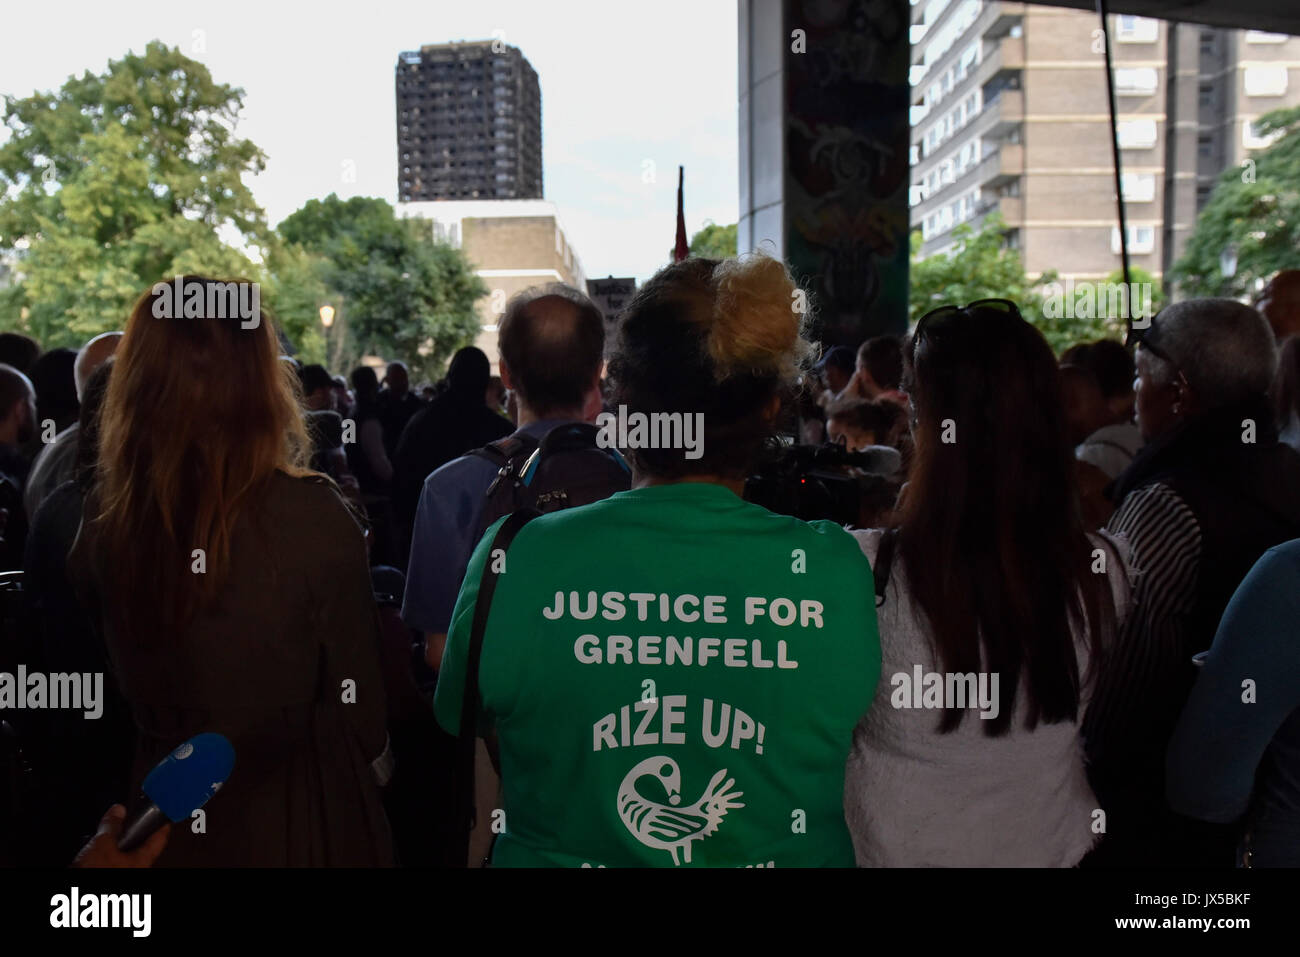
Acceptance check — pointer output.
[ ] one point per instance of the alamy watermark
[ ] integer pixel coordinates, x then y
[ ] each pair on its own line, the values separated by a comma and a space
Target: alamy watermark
126, 911
656, 430
37, 691
194, 299
932, 690
1099, 300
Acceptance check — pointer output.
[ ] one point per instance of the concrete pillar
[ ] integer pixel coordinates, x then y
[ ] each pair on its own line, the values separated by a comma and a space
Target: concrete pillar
824, 141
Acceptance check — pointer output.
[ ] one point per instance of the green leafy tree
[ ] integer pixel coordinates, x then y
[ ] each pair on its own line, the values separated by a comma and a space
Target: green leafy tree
1139, 275
982, 266
712, 242
117, 181
296, 289
1254, 210
398, 293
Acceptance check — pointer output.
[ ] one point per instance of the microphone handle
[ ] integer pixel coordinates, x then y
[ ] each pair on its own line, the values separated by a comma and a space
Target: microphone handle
139, 827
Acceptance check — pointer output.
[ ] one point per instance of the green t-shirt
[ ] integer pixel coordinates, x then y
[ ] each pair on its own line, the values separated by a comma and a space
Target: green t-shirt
674, 676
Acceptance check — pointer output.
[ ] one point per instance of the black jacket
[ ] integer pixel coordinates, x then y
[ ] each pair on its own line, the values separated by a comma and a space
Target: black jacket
1245, 498
451, 425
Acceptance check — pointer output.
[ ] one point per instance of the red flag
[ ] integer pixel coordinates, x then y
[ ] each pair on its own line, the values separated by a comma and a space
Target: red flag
683, 247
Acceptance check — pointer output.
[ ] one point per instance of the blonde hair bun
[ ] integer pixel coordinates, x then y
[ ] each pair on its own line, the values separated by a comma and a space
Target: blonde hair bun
755, 326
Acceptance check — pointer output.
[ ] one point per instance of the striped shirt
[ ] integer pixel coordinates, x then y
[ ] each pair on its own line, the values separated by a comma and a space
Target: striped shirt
1144, 681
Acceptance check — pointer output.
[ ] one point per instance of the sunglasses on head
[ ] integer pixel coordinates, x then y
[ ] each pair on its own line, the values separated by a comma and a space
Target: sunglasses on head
944, 312
1145, 342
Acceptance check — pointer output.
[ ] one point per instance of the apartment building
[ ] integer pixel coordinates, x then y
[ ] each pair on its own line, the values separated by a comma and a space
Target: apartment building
469, 123
512, 244
1010, 114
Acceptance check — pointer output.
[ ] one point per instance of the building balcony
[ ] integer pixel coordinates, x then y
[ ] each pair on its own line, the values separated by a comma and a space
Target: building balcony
999, 115
1000, 166
1002, 55
994, 20
1011, 207
1007, 53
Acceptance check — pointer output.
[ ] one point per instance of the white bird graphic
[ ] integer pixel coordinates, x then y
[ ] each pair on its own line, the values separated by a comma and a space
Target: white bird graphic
671, 828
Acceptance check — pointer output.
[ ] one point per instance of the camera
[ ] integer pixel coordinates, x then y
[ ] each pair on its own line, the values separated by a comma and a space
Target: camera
826, 482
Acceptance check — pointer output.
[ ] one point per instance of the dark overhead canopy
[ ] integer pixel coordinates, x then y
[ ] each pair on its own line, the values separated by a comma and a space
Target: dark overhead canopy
1274, 16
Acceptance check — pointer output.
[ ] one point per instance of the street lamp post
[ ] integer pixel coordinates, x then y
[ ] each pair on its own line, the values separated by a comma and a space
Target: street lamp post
1228, 261
327, 313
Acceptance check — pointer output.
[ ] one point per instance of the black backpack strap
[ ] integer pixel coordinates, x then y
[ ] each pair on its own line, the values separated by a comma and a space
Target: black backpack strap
508, 456
502, 451
470, 697
571, 437
884, 559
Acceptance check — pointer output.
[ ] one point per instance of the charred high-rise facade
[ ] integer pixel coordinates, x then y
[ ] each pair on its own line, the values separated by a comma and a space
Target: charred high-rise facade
469, 123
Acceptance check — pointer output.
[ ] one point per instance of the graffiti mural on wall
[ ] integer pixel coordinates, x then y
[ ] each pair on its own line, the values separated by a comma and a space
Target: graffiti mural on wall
847, 139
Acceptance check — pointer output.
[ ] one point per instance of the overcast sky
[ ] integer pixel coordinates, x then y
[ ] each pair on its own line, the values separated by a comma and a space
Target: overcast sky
622, 84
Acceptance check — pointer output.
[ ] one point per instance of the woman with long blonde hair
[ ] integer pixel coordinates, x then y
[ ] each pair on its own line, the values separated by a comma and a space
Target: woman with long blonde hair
232, 587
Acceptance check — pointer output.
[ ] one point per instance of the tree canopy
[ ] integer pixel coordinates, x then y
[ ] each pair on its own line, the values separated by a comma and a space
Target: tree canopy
712, 242
982, 266
397, 292
1254, 211
119, 180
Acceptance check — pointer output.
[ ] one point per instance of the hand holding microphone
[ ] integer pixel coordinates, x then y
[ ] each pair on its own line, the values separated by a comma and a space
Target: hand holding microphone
179, 784
102, 850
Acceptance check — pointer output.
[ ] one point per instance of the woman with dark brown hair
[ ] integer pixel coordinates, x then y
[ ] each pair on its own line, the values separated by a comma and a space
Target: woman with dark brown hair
995, 604
232, 588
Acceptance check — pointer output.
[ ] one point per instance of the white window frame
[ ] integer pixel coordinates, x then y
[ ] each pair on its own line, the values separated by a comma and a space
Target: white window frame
1131, 29
1265, 79
1136, 81
1253, 141
1135, 141
1138, 187
1136, 242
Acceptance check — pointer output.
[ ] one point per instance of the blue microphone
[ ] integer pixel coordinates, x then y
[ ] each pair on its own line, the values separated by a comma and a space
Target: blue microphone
178, 785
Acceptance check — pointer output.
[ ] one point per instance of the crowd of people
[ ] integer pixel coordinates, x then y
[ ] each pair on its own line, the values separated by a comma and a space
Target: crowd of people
1061, 631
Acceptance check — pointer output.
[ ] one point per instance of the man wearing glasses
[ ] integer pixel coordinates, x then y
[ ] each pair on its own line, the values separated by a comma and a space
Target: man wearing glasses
1208, 495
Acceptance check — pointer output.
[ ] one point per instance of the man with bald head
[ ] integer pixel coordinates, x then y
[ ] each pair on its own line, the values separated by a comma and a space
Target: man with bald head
552, 342
17, 425
56, 462
1279, 303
